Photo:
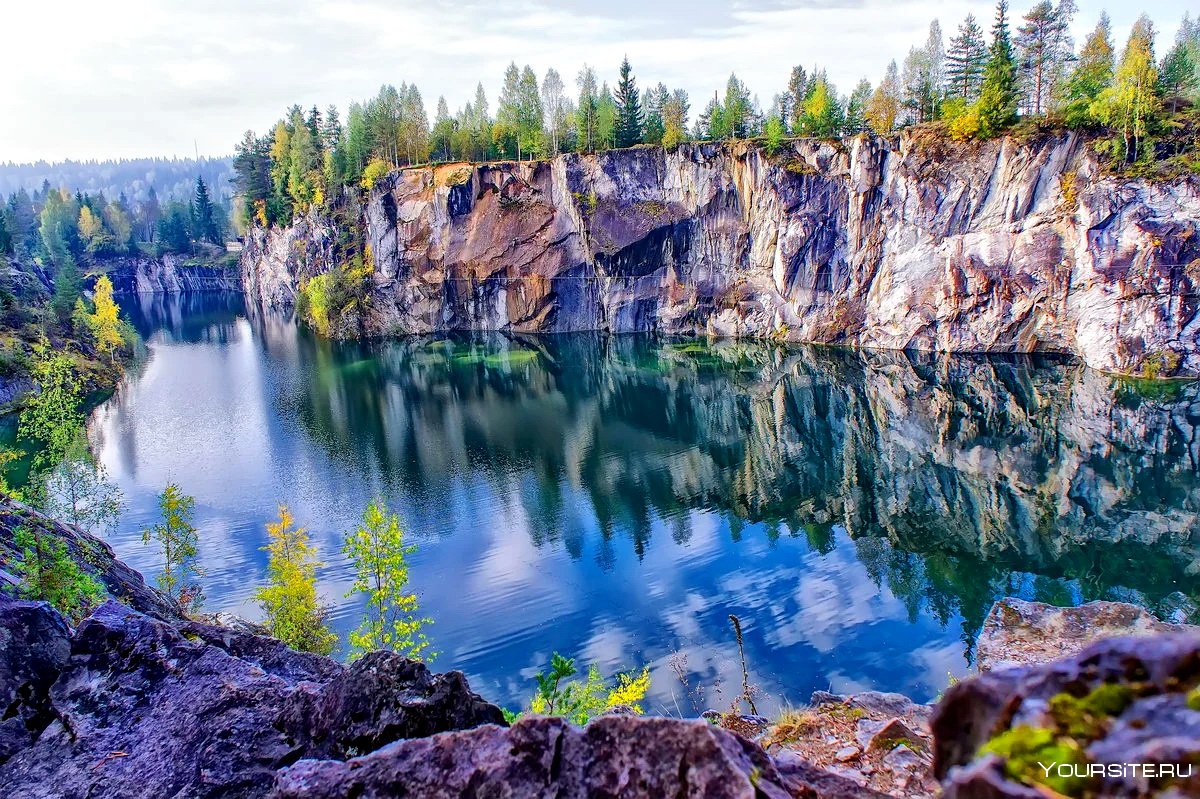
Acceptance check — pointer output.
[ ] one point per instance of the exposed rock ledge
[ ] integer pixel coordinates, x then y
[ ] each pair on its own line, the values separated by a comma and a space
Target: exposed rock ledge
1021, 633
913, 241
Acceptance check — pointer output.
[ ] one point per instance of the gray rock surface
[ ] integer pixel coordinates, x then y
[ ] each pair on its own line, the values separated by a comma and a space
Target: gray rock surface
913, 241
147, 709
614, 756
173, 274
1151, 724
1017, 632
36, 643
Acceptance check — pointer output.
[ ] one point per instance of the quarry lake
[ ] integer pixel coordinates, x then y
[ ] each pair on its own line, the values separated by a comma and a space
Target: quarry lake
617, 498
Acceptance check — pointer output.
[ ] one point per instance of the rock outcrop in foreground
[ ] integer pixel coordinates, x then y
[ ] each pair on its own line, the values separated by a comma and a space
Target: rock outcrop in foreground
128, 705
1122, 702
913, 241
146, 703
1020, 633
140, 707
92, 554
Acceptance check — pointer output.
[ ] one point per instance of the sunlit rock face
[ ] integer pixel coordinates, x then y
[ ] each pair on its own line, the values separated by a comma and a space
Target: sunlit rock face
910, 242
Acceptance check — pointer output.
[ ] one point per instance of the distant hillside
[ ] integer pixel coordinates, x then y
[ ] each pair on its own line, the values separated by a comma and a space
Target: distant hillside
172, 178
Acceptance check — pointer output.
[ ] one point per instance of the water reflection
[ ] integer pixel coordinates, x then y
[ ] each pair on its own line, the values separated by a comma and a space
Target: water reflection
618, 497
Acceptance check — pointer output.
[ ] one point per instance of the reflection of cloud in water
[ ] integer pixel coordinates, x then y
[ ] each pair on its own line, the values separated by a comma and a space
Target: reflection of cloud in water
615, 498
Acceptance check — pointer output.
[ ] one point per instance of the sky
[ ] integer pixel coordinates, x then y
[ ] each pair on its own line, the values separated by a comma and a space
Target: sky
128, 78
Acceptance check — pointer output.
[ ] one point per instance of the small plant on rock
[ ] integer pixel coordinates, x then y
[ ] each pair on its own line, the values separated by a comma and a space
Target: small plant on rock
295, 614
580, 701
380, 559
48, 573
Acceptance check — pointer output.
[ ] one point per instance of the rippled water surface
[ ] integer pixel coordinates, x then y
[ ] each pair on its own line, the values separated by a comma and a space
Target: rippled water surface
618, 498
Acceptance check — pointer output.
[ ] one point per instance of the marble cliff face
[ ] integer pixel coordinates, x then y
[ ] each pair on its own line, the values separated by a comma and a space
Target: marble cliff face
913, 242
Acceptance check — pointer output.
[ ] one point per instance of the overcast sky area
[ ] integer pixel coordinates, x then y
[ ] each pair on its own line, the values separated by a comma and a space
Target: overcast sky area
130, 78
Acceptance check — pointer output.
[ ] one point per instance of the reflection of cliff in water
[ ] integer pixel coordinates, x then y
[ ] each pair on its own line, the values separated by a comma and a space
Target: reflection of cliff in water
191, 317
951, 474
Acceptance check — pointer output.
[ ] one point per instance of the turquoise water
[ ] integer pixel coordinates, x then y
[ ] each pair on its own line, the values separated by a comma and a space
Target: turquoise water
616, 499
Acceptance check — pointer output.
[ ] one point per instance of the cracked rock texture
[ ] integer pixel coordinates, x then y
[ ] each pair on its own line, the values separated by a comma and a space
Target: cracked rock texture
908, 242
1157, 722
1017, 632
144, 708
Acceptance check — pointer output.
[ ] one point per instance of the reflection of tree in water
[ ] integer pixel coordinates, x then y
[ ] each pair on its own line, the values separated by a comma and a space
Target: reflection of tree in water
959, 479
188, 318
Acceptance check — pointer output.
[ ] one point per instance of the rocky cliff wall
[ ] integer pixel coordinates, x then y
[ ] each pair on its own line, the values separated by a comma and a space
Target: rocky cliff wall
171, 274
911, 242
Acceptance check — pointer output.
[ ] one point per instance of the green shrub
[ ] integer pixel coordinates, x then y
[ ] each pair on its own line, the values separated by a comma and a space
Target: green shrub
48, 573
580, 701
325, 300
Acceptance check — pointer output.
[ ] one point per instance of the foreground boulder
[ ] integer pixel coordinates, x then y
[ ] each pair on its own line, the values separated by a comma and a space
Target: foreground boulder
144, 708
1020, 633
1131, 700
614, 756
35, 643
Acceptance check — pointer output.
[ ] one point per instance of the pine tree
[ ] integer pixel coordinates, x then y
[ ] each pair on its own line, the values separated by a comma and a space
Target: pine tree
1045, 46
629, 108
792, 106
998, 95
965, 60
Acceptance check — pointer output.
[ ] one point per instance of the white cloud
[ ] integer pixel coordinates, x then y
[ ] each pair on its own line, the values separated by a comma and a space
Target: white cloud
140, 77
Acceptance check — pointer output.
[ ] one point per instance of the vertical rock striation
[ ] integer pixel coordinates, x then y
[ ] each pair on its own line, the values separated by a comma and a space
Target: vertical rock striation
913, 242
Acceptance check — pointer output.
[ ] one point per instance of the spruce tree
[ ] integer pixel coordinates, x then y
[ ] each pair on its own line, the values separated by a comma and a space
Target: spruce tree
998, 97
629, 108
204, 220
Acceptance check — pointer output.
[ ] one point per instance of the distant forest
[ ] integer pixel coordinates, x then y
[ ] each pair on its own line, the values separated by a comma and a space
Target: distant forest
172, 178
